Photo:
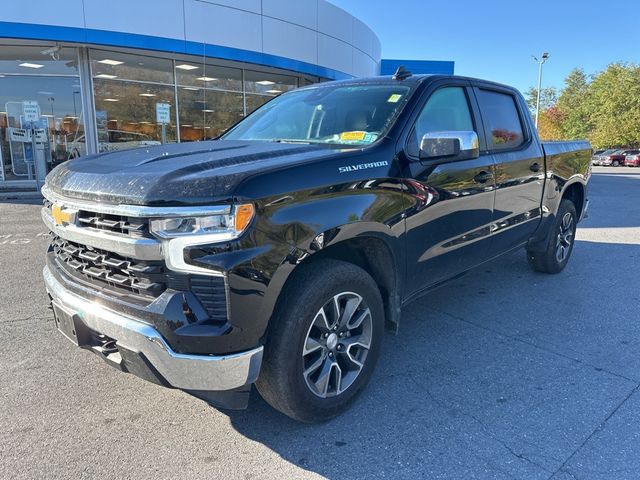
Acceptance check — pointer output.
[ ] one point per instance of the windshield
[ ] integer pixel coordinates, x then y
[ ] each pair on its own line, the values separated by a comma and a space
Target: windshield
340, 114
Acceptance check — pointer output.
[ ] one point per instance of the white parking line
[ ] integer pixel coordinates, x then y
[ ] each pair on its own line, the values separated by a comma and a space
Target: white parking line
20, 238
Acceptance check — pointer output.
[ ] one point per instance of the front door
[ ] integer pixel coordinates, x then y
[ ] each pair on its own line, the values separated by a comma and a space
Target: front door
448, 226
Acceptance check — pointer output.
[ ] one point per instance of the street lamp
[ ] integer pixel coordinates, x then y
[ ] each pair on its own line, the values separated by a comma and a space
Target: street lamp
540, 62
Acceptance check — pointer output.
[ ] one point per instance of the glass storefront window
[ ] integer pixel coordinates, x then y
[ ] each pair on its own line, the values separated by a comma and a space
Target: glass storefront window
127, 89
206, 98
126, 114
255, 101
209, 99
124, 66
261, 87
268, 83
206, 114
29, 60
192, 74
52, 83
222, 110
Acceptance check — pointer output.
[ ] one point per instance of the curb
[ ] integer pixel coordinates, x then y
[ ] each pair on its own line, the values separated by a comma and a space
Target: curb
20, 196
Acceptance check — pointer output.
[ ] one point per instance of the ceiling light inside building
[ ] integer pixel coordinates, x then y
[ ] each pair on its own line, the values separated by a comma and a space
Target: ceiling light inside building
104, 75
205, 110
111, 100
186, 66
266, 82
191, 88
106, 61
274, 91
31, 65
147, 94
206, 79
186, 125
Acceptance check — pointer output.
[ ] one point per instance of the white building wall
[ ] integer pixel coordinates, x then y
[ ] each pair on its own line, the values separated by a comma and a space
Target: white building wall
312, 31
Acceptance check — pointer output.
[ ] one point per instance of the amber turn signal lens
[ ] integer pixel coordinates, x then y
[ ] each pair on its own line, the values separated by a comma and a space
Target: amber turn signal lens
244, 215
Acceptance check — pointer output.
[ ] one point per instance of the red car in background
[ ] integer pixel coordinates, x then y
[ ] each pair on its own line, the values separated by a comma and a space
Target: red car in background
632, 159
619, 157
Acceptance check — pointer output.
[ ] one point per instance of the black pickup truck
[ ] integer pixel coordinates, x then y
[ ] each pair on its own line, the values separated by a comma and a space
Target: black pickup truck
277, 254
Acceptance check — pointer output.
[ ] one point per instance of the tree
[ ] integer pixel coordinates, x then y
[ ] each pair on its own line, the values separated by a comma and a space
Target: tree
613, 105
604, 108
548, 98
550, 124
573, 103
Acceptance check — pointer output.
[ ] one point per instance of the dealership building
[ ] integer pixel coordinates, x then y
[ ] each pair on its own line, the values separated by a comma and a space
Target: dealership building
93, 76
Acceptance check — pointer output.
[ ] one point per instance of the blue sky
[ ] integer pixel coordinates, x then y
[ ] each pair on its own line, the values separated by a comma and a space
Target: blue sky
494, 39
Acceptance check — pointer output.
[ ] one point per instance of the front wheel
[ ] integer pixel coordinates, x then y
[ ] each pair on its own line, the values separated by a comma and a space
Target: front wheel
616, 163
324, 343
556, 256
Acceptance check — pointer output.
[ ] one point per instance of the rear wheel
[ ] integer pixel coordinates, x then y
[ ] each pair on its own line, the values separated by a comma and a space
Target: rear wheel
325, 342
556, 256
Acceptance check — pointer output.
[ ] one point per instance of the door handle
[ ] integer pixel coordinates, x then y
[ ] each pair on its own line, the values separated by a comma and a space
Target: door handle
534, 167
483, 177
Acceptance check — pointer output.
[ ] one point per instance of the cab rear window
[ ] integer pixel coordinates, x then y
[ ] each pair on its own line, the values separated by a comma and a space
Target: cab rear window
501, 119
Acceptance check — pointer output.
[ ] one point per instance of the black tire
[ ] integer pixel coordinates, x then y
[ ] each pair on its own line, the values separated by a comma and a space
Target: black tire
615, 163
282, 381
562, 237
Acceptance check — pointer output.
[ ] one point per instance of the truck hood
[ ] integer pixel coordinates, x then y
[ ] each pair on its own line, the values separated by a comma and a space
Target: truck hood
178, 174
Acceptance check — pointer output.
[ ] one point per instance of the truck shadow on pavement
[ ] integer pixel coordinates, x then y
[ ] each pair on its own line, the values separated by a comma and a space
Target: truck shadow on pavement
502, 373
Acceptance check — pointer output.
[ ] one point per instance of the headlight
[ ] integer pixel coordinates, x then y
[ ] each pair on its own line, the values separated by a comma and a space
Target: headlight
224, 226
179, 233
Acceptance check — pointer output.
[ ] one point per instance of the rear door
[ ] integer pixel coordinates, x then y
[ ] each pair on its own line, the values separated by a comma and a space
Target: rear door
448, 226
519, 162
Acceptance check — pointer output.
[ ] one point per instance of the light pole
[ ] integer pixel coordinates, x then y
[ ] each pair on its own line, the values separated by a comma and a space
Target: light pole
540, 62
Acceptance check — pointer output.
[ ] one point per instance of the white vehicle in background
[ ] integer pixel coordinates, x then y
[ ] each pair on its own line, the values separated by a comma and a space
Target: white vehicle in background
112, 141
595, 158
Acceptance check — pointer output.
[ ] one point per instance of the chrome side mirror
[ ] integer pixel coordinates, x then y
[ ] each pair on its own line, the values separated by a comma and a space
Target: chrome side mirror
449, 145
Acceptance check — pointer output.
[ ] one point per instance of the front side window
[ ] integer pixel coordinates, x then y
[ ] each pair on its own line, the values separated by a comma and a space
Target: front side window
337, 114
502, 120
446, 110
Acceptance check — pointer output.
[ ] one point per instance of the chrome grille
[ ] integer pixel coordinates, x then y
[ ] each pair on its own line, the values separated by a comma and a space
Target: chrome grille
108, 269
123, 225
133, 227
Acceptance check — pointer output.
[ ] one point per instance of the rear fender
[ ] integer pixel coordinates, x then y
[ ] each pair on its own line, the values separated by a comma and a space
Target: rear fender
555, 190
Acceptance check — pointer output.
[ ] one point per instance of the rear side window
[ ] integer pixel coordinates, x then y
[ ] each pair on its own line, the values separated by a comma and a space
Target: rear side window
502, 120
446, 110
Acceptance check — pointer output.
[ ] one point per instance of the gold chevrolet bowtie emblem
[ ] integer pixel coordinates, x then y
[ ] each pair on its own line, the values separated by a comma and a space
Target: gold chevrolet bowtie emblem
63, 216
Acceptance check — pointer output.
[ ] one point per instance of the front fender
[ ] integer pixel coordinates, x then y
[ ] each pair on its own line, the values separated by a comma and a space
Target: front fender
312, 219
291, 229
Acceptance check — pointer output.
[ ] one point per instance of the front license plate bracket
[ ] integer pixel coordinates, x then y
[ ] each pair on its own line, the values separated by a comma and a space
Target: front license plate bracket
70, 325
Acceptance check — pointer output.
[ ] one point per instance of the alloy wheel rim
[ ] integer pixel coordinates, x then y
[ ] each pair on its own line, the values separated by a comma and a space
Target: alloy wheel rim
337, 345
565, 237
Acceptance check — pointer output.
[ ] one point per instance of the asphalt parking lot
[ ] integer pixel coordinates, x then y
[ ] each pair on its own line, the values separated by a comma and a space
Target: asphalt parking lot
502, 374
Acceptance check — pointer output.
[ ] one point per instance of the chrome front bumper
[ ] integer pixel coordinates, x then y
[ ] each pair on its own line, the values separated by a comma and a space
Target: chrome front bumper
186, 372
